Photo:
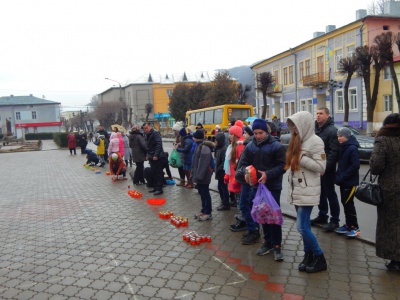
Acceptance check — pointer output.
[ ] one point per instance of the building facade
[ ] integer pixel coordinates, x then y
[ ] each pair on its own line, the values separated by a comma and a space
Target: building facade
307, 76
28, 114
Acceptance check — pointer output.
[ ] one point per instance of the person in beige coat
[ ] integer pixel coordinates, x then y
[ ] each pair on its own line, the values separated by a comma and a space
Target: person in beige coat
306, 162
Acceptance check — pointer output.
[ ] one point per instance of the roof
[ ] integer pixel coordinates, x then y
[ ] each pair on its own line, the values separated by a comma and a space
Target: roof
24, 100
203, 76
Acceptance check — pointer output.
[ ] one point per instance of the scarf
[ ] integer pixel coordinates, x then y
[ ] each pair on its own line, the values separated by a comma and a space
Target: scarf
228, 156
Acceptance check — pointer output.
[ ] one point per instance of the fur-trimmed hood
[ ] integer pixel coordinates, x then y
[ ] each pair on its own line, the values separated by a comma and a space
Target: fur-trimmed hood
389, 130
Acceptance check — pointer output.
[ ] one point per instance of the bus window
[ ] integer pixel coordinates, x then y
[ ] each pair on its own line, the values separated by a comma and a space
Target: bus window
218, 116
199, 117
239, 114
192, 119
209, 117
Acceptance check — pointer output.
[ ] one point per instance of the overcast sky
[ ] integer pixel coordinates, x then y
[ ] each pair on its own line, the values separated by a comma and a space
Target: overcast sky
64, 49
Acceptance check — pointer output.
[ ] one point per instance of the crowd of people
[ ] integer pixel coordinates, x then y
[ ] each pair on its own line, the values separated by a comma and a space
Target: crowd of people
318, 157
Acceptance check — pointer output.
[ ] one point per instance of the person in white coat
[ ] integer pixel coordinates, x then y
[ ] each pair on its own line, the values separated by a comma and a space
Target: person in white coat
306, 162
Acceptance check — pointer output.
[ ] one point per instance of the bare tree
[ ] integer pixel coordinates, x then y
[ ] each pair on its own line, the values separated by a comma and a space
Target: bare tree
377, 7
347, 67
265, 81
148, 108
243, 93
108, 113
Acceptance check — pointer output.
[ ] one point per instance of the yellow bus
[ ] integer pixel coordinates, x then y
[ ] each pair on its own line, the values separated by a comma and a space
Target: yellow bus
218, 115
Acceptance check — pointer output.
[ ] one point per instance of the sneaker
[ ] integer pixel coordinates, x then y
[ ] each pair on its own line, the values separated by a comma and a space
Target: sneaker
252, 238
278, 255
196, 216
205, 217
238, 226
343, 230
331, 226
319, 220
354, 232
265, 249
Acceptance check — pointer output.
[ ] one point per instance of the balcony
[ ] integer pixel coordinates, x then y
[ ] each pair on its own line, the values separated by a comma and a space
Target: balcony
316, 79
277, 88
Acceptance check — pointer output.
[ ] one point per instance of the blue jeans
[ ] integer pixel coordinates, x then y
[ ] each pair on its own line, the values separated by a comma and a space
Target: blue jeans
304, 228
328, 195
273, 232
223, 192
246, 203
204, 191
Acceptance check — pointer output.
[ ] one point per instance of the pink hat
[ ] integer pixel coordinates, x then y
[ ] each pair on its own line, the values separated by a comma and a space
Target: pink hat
239, 123
236, 130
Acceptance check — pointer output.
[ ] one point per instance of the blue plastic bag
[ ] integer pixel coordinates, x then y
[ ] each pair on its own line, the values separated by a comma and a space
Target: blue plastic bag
265, 210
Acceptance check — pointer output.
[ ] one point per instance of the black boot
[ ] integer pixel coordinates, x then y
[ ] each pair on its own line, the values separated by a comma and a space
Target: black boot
126, 163
317, 265
307, 260
130, 162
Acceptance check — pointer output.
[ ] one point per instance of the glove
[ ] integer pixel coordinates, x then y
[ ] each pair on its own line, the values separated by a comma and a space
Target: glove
226, 179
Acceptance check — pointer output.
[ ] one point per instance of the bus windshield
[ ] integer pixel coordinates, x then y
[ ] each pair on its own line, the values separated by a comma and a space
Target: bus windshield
239, 114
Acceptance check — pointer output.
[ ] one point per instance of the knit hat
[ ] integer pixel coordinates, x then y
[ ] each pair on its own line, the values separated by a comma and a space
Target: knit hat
182, 132
199, 125
177, 127
344, 131
236, 130
239, 123
260, 124
199, 134
248, 130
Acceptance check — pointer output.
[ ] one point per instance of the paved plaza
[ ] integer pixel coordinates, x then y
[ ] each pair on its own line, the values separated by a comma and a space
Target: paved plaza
69, 233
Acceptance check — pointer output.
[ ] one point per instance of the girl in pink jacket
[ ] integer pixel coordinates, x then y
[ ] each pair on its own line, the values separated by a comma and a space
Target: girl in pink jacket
113, 146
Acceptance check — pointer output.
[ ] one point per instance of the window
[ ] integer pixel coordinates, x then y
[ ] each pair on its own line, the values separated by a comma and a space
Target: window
338, 55
268, 111
339, 100
286, 109
218, 116
285, 76
385, 27
301, 70
320, 65
306, 105
276, 76
386, 73
308, 69
34, 115
292, 109
310, 106
303, 105
200, 117
193, 119
353, 99
209, 117
387, 100
169, 92
350, 50
18, 115
290, 74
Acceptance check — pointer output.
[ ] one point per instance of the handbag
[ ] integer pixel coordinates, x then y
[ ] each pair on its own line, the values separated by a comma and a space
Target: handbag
368, 191
265, 210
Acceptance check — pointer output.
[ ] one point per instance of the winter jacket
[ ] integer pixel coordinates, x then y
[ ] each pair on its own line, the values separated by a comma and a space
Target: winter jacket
127, 150
100, 143
138, 146
347, 173
82, 140
328, 133
305, 184
121, 144
201, 167
119, 164
91, 156
269, 156
385, 162
71, 141
235, 186
113, 147
154, 144
219, 154
106, 136
186, 150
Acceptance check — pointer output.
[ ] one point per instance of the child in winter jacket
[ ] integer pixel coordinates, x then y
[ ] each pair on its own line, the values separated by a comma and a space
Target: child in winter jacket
113, 146
100, 143
347, 178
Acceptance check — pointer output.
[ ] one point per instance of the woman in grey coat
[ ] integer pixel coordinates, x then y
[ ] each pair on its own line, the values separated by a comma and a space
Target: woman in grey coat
139, 151
385, 162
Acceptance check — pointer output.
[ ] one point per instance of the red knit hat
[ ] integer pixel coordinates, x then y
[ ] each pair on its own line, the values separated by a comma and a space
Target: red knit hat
239, 123
236, 130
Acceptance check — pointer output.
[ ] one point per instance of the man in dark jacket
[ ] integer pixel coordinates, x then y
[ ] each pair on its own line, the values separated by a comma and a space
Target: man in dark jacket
155, 156
268, 156
326, 130
220, 150
201, 173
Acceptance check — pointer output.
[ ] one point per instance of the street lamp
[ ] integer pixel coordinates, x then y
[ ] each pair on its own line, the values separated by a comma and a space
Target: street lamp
333, 84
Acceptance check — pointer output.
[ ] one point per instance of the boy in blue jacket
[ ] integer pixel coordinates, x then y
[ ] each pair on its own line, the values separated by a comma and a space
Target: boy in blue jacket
347, 178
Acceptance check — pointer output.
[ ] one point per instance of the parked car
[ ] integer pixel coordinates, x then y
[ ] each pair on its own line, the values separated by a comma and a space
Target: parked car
366, 142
